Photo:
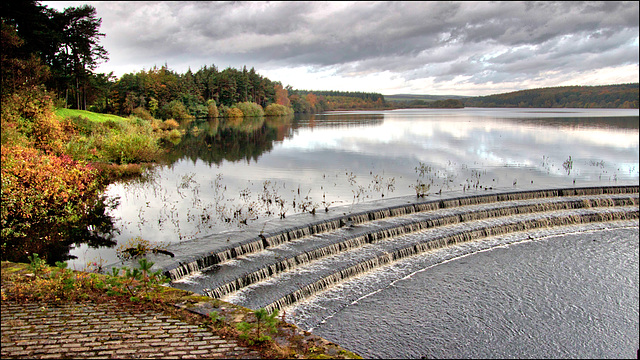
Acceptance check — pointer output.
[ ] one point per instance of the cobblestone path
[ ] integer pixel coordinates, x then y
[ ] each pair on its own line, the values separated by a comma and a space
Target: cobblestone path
92, 330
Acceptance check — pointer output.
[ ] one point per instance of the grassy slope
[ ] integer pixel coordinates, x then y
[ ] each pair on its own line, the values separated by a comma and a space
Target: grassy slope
88, 114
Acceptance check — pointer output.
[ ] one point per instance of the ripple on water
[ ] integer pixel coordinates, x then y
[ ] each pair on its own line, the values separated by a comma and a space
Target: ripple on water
571, 292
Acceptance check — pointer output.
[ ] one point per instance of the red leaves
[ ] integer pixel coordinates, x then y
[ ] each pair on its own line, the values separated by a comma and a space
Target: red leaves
282, 95
44, 188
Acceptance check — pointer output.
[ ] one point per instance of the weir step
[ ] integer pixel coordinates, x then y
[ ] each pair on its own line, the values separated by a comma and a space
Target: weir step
199, 262
510, 215
233, 275
287, 288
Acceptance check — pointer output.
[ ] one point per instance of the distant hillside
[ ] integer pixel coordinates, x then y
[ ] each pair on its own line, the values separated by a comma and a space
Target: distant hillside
623, 96
606, 96
426, 98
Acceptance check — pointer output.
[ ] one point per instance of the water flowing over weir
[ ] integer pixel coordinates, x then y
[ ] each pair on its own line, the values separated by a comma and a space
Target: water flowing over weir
290, 260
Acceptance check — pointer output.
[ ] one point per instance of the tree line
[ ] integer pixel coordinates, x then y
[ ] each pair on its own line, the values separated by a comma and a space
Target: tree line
307, 101
41, 45
623, 96
206, 92
428, 104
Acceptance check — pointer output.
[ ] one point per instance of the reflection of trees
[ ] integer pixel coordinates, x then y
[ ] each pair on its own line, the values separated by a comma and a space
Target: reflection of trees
338, 120
236, 139
281, 124
244, 125
215, 140
96, 229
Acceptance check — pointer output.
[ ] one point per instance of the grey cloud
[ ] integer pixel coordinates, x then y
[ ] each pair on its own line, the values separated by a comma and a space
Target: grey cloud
439, 40
576, 53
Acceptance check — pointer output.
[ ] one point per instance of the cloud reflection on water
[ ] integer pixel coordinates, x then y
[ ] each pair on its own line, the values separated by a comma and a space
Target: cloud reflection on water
318, 155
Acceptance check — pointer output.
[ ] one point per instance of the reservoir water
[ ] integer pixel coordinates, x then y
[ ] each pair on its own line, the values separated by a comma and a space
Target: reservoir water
220, 177
562, 295
569, 291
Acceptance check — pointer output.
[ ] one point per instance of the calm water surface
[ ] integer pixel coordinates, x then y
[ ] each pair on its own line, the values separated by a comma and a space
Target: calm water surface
342, 158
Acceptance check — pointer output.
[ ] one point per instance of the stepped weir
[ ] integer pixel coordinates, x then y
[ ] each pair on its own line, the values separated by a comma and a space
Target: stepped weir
291, 261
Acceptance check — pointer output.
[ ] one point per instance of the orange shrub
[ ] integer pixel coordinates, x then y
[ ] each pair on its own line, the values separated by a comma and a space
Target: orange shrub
234, 113
42, 196
31, 112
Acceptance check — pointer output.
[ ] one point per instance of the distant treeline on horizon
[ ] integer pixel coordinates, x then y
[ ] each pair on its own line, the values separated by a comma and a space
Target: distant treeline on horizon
622, 96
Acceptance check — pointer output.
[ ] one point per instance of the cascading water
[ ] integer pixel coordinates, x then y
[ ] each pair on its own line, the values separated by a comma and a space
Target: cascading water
260, 242
457, 236
238, 269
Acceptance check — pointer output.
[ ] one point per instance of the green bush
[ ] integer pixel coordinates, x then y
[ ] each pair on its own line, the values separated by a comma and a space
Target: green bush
113, 125
142, 113
83, 147
222, 110
199, 111
277, 110
255, 333
84, 125
175, 110
212, 109
122, 142
250, 109
174, 134
127, 147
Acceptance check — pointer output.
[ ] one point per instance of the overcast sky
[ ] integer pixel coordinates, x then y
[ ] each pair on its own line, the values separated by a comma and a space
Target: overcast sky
441, 48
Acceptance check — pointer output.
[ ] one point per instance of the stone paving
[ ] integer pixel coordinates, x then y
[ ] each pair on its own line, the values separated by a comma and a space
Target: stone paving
94, 330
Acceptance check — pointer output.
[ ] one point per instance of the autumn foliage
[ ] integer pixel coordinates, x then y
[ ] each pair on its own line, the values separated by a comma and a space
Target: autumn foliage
282, 96
42, 196
45, 193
